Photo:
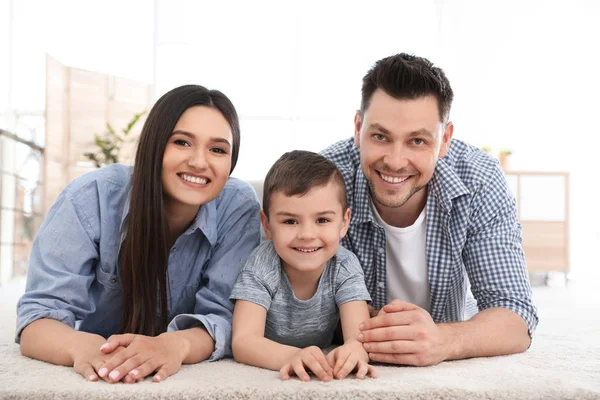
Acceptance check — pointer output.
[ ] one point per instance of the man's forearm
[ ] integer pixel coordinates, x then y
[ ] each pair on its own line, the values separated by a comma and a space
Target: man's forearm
491, 332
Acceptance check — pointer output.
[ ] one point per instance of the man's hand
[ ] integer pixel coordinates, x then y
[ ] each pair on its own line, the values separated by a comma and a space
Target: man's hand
403, 333
349, 357
142, 356
312, 358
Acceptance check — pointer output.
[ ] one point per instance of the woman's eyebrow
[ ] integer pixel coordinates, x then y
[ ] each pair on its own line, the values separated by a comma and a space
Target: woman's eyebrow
215, 139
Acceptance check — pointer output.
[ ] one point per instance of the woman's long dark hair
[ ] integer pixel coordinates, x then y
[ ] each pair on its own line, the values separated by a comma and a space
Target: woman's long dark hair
144, 253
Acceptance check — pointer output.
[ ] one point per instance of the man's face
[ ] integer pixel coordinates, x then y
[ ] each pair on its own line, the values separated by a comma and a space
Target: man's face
400, 142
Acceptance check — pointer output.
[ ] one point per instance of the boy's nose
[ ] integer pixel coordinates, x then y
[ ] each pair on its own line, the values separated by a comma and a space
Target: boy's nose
306, 232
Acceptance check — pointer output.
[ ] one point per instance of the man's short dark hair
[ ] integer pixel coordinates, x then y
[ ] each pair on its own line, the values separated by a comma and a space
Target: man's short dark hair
297, 172
404, 76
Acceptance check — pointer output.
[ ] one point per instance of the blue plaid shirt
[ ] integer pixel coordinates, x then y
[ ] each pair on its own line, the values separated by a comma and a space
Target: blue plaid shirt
473, 235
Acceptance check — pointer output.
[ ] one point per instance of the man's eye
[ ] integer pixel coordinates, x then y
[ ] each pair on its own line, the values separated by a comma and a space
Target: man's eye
323, 220
378, 137
181, 142
419, 142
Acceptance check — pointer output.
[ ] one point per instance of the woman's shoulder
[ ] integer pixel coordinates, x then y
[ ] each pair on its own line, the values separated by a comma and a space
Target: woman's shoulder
237, 193
107, 179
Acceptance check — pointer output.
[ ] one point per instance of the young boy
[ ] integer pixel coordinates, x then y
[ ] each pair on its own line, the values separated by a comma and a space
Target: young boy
295, 287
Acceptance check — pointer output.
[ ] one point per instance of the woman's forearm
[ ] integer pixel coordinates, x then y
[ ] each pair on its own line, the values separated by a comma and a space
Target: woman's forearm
195, 344
54, 342
261, 352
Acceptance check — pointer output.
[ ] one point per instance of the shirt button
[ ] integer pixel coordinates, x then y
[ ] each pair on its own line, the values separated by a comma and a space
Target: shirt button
380, 250
380, 285
113, 280
173, 249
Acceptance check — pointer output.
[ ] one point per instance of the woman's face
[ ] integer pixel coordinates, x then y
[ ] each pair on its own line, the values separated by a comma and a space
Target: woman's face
197, 158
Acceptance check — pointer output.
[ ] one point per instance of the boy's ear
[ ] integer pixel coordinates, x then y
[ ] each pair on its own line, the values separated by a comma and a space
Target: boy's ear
346, 222
265, 223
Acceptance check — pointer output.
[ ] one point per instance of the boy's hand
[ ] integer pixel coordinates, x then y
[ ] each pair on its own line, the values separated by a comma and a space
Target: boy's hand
349, 357
312, 358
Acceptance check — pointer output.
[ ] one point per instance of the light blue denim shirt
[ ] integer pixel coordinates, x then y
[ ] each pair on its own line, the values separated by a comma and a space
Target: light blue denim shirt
73, 273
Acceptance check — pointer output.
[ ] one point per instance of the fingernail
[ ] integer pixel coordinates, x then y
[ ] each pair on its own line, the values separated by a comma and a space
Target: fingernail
156, 378
102, 372
92, 378
359, 337
104, 346
367, 346
361, 326
135, 373
114, 375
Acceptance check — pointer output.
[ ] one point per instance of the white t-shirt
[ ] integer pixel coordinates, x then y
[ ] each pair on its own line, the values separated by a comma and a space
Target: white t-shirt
406, 262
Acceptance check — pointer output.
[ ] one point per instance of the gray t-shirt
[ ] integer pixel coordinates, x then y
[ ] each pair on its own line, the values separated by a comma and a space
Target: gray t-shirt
295, 322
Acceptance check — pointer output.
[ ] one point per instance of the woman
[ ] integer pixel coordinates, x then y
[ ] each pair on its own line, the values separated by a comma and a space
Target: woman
151, 252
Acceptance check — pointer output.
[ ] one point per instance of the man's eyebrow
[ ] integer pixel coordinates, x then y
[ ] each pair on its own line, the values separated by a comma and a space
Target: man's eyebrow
380, 127
421, 132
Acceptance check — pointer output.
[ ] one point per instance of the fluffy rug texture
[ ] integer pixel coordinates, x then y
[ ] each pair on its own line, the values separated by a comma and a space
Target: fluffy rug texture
562, 363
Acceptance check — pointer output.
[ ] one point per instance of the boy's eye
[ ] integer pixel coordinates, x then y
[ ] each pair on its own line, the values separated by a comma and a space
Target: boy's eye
181, 142
290, 222
323, 220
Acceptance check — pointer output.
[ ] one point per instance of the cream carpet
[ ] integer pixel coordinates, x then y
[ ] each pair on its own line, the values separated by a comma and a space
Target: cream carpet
563, 363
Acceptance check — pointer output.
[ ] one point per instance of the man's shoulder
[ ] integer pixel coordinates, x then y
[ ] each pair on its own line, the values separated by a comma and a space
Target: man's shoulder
474, 167
345, 155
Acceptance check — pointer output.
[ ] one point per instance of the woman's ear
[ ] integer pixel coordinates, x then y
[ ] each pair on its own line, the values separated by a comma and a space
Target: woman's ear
265, 223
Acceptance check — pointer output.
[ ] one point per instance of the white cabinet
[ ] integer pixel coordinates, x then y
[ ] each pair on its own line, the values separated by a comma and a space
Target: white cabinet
543, 210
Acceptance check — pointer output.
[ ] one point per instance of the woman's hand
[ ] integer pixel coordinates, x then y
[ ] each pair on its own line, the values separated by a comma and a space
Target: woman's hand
87, 357
349, 357
312, 358
142, 356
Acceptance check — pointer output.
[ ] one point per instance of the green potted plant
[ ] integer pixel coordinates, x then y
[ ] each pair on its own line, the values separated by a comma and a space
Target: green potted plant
110, 142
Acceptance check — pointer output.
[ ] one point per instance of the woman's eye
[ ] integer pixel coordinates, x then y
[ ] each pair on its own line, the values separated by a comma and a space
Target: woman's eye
181, 142
323, 220
218, 150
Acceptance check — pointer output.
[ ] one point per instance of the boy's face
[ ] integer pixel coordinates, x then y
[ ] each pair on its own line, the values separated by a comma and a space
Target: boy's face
306, 230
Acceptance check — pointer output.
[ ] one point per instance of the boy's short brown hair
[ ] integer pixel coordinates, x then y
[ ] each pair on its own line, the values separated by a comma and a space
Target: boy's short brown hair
298, 171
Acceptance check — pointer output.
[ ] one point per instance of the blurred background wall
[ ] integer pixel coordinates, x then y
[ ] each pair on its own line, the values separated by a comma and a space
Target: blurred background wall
524, 75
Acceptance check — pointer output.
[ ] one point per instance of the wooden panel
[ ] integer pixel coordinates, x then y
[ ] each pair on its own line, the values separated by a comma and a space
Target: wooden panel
545, 246
57, 125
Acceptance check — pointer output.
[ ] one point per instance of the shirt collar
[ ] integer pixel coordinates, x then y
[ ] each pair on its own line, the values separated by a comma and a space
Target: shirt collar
445, 185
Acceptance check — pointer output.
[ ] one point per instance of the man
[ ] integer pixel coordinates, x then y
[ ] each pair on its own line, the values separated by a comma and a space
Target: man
433, 221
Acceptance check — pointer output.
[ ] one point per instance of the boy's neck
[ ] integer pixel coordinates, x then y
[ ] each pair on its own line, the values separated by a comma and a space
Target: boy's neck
304, 283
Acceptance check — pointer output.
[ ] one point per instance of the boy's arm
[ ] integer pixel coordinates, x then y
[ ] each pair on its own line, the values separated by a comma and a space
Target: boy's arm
249, 344
352, 314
